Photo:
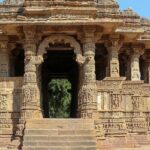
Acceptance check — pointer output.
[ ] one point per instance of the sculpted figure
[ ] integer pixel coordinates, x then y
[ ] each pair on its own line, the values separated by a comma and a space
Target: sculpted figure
80, 59
3, 102
115, 101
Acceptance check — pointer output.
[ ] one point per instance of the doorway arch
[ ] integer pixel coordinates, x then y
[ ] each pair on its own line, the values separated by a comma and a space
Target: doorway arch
46, 50
59, 38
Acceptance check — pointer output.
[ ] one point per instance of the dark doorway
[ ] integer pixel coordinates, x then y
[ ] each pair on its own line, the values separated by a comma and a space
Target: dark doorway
17, 61
101, 60
59, 66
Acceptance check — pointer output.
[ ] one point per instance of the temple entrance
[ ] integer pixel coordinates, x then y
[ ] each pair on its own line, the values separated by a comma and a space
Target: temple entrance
59, 82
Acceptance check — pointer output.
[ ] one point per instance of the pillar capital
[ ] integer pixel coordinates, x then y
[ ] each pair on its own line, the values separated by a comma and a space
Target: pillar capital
29, 41
90, 34
114, 42
137, 49
29, 32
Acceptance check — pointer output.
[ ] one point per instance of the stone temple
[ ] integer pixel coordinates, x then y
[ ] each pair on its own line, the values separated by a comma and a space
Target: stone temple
105, 52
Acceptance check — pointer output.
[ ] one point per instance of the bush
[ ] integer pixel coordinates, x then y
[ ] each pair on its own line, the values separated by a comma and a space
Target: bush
59, 98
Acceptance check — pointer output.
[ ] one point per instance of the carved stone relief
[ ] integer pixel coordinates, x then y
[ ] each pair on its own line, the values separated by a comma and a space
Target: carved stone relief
59, 38
29, 94
3, 102
115, 101
136, 102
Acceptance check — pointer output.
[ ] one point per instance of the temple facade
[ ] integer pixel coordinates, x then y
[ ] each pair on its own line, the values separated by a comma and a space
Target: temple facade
105, 54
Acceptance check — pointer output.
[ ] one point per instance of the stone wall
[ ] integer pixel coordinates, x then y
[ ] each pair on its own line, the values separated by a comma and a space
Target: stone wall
123, 106
10, 101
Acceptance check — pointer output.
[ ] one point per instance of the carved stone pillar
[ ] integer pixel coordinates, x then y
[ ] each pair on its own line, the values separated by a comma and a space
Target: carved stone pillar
4, 57
31, 93
113, 45
135, 67
88, 91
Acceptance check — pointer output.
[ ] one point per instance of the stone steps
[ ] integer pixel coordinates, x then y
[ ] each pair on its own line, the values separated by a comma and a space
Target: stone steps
140, 148
60, 148
61, 143
60, 124
53, 132
58, 138
59, 134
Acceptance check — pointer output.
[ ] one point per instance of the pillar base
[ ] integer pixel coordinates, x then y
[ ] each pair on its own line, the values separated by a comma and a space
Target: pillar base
31, 114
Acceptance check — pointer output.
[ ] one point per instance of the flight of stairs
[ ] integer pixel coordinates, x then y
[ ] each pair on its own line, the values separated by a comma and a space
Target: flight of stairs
59, 134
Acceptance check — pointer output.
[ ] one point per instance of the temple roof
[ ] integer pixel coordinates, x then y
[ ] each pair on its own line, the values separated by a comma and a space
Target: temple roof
76, 12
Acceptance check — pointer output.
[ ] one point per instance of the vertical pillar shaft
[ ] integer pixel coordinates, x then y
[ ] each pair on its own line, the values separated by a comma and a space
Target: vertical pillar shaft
113, 45
135, 66
31, 94
114, 63
88, 90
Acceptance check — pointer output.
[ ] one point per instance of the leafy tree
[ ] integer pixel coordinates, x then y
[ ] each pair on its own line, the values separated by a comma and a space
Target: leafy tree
59, 98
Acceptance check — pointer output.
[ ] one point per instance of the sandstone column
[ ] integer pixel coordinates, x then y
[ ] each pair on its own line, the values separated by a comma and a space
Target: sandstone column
135, 57
88, 91
113, 45
4, 57
31, 93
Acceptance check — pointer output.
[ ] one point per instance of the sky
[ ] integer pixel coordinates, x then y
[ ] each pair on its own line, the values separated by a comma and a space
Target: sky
142, 7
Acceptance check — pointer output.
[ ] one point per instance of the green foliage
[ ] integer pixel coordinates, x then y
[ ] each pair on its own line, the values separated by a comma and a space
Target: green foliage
59, 98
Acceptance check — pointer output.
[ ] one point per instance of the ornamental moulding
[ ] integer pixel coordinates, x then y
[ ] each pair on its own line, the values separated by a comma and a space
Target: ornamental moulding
59, 38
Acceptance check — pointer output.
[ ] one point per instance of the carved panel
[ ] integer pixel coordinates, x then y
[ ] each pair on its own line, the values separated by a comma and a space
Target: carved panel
3, 102
116, 100
29, 94
87, 100
30, 77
